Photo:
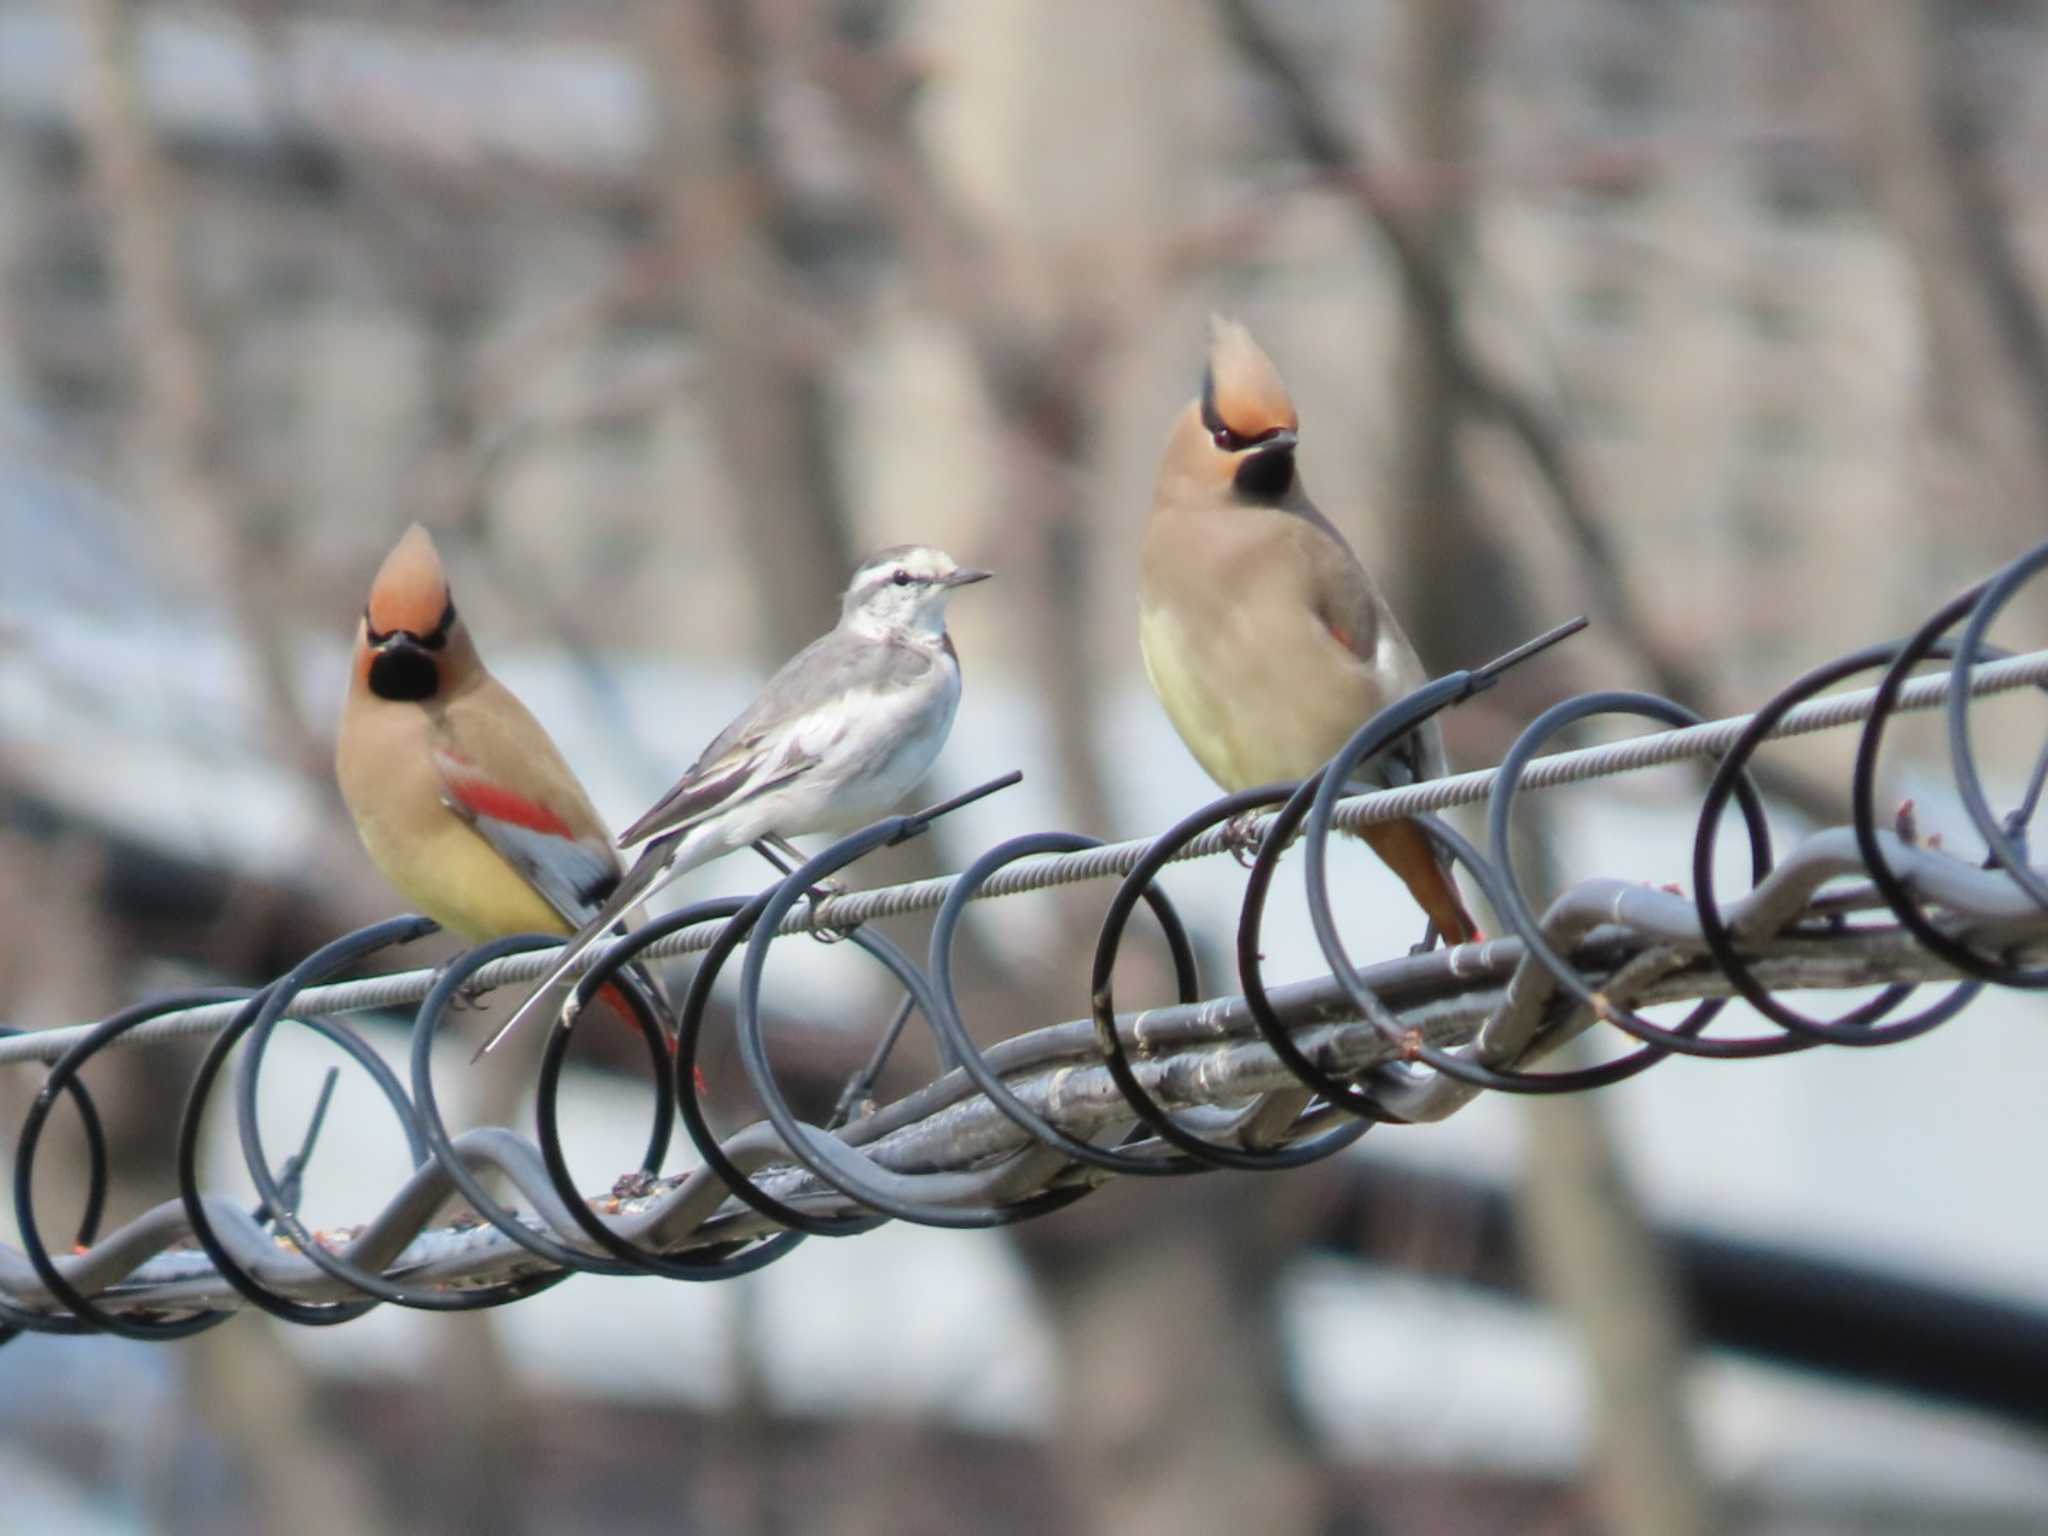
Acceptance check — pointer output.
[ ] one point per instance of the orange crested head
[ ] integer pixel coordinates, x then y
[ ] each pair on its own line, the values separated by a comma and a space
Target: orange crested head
1237, 441
1242, 396
411, 590
411, 646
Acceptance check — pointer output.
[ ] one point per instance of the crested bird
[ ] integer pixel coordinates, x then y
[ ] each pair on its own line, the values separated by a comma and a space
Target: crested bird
837, 737
1267, 642
460, 796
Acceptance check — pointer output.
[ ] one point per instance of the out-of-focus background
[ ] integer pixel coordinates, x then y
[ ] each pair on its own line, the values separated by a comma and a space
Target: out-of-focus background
1719, 320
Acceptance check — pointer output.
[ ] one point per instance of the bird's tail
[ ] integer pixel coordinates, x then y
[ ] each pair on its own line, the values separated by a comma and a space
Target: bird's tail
660, 862
1409, 852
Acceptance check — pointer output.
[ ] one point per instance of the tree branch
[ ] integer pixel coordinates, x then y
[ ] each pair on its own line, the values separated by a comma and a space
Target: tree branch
1319, 138
184, 461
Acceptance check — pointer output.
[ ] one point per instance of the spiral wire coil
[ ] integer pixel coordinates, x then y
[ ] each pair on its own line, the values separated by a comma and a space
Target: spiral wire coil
1269, 1078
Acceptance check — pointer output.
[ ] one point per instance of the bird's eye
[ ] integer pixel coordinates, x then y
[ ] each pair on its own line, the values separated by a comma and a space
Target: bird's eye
901, 578
437, 639
1228, 440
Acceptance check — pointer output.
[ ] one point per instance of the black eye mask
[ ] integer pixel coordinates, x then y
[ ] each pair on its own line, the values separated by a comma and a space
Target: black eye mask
433, 640
404, 671
1267, 473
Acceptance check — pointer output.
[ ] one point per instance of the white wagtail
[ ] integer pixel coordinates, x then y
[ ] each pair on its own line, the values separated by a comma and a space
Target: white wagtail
835, 740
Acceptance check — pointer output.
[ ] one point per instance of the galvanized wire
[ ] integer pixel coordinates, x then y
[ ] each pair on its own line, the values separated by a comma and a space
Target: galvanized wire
845, 912
1263, 1078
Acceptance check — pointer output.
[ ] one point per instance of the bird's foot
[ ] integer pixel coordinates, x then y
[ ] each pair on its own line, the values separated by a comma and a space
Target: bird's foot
1428, 942
468, 997
824, 891
1242, 837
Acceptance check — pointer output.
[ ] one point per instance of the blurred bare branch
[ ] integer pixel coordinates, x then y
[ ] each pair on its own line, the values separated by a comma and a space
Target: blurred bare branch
1176, 1420
658, 313
185, 437
254, 1395
763, 386
1456, 584
1039, 379
1591, 1238
1317, 131
1597, 1260
1928, 148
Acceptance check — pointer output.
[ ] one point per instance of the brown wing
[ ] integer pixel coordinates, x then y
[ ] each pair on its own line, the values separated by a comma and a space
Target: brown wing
1341, 593
1358, 617
501, 772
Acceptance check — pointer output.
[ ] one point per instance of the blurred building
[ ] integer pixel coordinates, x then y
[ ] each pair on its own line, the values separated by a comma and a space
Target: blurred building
435, 258
428, 262
1735, 337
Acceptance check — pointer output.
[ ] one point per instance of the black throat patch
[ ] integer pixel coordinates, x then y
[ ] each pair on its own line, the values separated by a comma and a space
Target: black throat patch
1266, 475
404, 672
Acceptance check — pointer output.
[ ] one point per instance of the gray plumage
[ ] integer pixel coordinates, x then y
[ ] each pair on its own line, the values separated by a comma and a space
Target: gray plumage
835, 740
811, 683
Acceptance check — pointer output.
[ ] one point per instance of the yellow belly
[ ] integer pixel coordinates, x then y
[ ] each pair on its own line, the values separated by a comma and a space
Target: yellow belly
1250, 711
453, 876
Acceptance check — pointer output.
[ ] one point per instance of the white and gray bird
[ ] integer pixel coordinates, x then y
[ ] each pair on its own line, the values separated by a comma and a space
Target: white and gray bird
836, 739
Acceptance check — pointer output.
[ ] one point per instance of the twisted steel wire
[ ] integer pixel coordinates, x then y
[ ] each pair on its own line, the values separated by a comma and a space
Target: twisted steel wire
1106, 860
1268, 1078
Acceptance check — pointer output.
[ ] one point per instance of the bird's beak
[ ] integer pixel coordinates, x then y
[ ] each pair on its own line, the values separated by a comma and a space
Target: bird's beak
402, 668
967, 576
1280, 441
403, 640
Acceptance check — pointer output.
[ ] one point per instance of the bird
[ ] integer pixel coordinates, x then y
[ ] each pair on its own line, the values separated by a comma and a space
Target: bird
837, 737
460, 797
1265, 639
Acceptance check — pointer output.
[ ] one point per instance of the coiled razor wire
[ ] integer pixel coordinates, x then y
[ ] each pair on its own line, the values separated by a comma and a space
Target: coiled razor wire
1267, 1077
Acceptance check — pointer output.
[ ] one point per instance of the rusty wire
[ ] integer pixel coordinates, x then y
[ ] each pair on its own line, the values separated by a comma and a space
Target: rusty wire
1263, 1078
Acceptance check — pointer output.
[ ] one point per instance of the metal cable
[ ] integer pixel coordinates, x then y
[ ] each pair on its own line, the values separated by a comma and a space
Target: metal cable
1109, 860
1261, 1077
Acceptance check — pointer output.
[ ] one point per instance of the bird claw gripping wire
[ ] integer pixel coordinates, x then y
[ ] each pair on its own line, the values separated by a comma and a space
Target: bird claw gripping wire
1268, 1079
816, 897
467, 999
786, 856
1241, 837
